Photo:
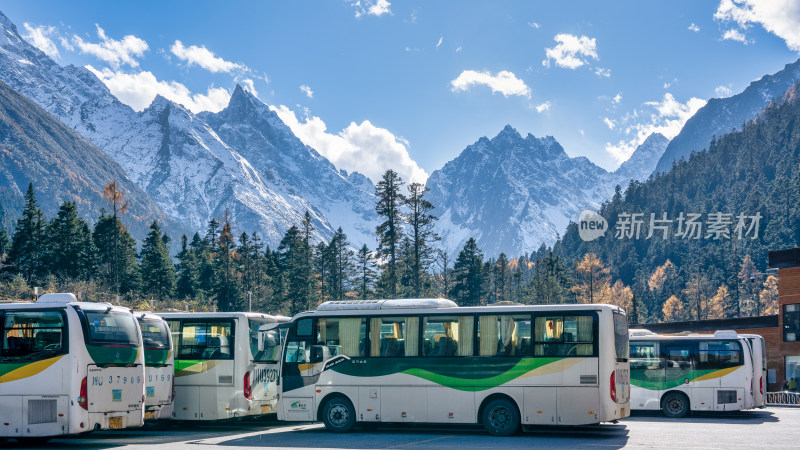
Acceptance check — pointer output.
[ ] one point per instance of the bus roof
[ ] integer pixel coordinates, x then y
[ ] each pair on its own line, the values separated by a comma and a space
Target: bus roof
404, 303
456, 310
212, 315
89, 306
641, 334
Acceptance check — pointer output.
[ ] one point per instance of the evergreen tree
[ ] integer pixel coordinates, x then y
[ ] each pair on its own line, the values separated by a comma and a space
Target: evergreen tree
500, 270
158, 272
445, 275
468, 275
87, 254
27, 252
116, 198
227, 290
295, 271
420, 222
342, 264
4, 243
207, 255
322, 268
366, 273
116, 254
390, 230
64, 241
187, 270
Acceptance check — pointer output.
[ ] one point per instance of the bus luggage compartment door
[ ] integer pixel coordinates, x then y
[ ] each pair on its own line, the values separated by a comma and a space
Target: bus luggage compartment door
540, 406
11, 414
41, 415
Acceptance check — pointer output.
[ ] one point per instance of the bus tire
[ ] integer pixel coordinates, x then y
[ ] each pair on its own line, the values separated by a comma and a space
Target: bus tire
675, 405
338, 415
500, 417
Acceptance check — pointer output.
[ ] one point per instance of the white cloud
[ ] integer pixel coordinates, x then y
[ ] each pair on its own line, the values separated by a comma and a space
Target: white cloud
534, 25
543, 107
581, 132
504, 82
40, 37
65, 43
735, 35
617, 98
611, 124
571, 51
694, 27
138, 90
667, 117
204, 58
359, 147
779, 17
440, 41
602, 72
249, 85
667, 85
458, 50
307, 90
723, 91
373, 8
112, 51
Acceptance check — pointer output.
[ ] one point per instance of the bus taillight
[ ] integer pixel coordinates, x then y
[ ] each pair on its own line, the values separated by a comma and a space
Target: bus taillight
614, 386
761, 384
248, 392
83, 399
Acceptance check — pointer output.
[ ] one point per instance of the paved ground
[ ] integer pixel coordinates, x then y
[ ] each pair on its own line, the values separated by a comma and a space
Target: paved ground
772, 427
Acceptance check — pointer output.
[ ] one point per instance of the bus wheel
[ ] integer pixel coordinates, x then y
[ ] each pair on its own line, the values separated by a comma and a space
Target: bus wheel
675, 405
339, 415
500, 417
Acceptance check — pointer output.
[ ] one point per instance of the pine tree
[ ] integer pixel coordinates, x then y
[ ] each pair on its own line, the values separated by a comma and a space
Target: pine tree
87, 254
342, 267
716, 304
595, 277
445, 275
420, 222
207, 256
116, 254
116, 198
366, 273
322, 268
769, 296
227, 291
158, 272
390, 230
468, 275
294, 270
187, 270
64, 241
4, 243
673, 309
27, 251
501, 278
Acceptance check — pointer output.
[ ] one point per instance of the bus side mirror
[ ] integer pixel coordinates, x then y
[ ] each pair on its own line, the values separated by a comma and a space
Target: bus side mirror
319, 353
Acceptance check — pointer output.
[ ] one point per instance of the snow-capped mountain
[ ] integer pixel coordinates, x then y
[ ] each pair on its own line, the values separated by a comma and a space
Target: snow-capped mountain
248, 163
512, 194
642, 162
721, 115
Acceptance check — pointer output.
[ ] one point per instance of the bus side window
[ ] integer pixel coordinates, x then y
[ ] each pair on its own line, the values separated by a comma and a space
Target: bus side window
564, 335
33, 335
645, 356
342, 336
504, 335
719, 354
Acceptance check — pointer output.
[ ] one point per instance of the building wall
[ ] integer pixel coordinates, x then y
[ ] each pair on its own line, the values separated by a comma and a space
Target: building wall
788, 293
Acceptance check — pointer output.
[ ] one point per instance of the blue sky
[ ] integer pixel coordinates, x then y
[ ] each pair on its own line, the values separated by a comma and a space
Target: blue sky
377, 84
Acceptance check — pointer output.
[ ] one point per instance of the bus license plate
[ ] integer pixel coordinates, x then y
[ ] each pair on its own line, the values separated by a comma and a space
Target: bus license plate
149, 415
115, 423
264, 409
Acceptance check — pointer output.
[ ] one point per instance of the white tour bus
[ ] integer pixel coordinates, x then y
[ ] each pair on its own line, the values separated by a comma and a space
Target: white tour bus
159, 371
68, 367
694, 372
759, 353
430, 361
225, 366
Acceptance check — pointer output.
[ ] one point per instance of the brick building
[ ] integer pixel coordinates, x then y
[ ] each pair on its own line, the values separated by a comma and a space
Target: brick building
781, 332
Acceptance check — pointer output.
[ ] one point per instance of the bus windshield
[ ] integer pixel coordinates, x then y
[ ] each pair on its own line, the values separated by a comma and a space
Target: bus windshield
155, 335
264, 345
111, 327
621, 336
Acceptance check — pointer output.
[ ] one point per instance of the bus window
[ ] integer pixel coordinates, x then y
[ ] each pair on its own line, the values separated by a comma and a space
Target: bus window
264, 346
564, 335
33, 335
645, 355
504, 335
343, 336
621, 336
448, 336
154, 334
718, 354
212, 339
394, 337
111, 327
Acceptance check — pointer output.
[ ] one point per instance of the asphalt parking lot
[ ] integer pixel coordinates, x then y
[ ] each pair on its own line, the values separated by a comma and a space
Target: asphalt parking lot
771, 427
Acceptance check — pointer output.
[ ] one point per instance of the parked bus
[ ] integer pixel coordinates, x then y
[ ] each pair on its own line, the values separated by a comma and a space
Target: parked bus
430, 361
68, 367
159, 369
679, 374
225, 367
759, 353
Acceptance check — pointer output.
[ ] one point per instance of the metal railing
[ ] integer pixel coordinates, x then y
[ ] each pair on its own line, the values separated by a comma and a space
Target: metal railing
783, 398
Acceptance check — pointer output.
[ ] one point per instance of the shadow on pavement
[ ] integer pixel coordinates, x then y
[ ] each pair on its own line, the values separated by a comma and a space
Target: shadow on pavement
749, 417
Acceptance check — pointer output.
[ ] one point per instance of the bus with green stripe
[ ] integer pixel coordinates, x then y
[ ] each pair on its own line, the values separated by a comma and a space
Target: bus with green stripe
68, 367
363, 362
678, 374
159, 371
225, 366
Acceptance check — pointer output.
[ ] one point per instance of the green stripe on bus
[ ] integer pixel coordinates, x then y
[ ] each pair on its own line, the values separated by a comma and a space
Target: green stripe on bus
156, 357
102, 354
639, 378
466, 374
